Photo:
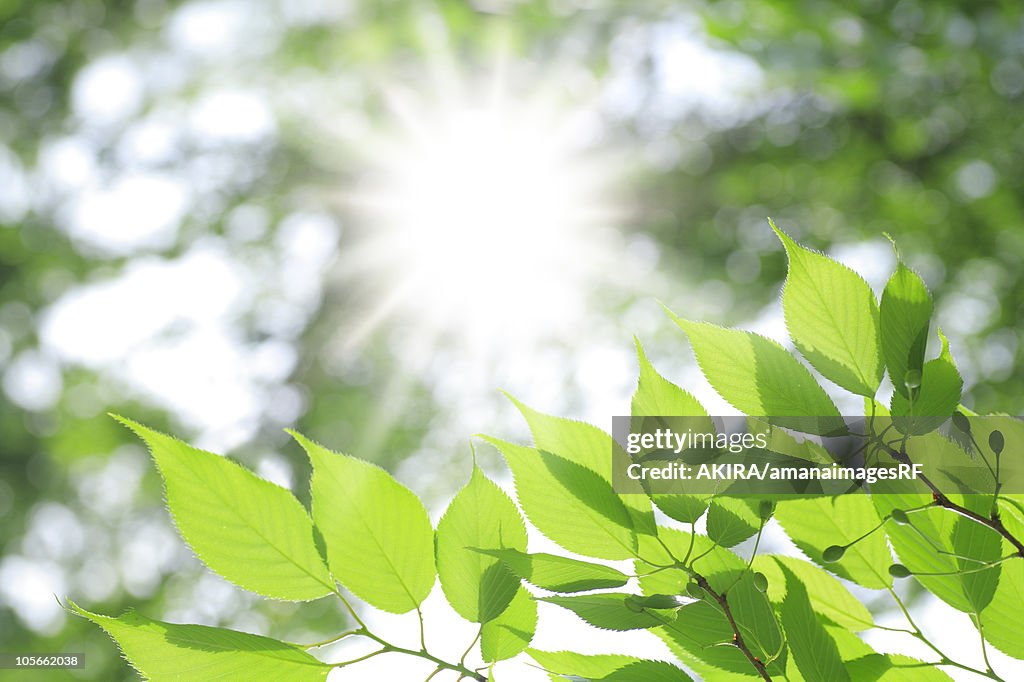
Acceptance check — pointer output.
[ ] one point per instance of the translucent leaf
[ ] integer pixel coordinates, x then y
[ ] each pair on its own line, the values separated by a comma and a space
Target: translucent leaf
647, 671
894, 668
905, 313
609, 611
594, 666
934, 402
717, 563
569, 503
558, 573
656, 396
380, 544
511, 632
761, 378
702, 637
817, 523
183, 653
481, 515
588, 447
813, 649
252, 532
1002, 617
832, 317
732, 520
829, 598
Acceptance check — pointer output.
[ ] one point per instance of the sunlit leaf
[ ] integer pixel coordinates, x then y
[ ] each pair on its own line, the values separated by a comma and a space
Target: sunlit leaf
183, 653
569, 503
511, 632
760, 378
252, 532
832, 316
818, 523
380, 543
481, 515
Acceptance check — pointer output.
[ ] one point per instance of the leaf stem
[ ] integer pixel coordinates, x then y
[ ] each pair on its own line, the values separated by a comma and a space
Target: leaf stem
945, 660
479, 631
388, 647
332, 640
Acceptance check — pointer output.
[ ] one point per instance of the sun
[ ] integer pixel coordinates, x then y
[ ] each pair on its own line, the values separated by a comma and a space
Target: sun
481, 214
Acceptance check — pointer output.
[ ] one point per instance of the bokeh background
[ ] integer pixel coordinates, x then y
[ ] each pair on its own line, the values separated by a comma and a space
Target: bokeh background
362, 219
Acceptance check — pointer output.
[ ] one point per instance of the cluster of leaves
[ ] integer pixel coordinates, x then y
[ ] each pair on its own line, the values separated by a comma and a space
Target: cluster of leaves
723, 615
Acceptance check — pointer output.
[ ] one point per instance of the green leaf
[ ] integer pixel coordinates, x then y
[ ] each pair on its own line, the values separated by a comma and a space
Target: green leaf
568, 663
718, 564
933, 538
182, 653
894, 668
656, 396
558, 573
588, 447
817, 523
482, 516
609, 611
732, 520
569, 503
829, 597
647, 671
511, 632
935, 400
814, 650
905, 314
760, 378
252, 532
1002, 618
832, 316
380, 544
971, 539
702, 637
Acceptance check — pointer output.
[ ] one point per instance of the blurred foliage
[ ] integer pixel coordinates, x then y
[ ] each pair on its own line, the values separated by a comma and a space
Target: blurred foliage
869, 117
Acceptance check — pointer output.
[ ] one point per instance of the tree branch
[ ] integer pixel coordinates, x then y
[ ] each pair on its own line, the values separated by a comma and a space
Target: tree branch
737, 635
993, 522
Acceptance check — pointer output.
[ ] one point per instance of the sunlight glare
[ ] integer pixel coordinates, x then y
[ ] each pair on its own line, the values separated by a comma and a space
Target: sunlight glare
485, 215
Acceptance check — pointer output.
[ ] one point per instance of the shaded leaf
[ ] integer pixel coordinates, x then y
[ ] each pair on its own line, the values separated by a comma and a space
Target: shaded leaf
558, 573
933, 403
829, 598
814, 651
511, 632
732, 520
609, 611
590, 449
905, 314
